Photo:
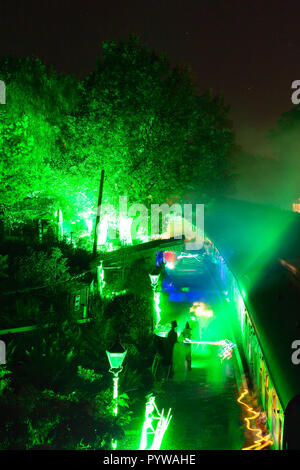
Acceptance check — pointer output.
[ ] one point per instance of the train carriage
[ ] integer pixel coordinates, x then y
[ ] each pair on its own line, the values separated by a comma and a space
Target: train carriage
265, 287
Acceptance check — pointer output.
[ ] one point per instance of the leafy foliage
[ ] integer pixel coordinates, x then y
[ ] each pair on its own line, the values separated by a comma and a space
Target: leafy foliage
49, 401
41, 268
142, 121
16, 170
38, 99
130, 316
134, 116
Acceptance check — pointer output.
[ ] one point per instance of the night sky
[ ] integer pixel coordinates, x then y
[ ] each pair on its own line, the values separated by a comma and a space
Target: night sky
249, 50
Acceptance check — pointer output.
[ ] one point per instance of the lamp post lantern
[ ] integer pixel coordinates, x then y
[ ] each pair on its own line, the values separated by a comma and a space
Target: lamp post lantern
116, 355
154, 278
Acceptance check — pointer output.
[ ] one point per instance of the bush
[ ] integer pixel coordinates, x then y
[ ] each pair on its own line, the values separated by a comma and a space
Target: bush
130, 317
47, 401
42, 268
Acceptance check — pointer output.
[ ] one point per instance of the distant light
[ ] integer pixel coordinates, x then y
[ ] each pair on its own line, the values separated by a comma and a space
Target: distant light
170, 265
201, 310
169, 256
296, 206
162, 334
203, 313
187, 255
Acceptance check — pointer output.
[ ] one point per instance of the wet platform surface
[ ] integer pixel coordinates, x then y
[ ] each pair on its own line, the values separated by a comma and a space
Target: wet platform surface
205, 411
206, 415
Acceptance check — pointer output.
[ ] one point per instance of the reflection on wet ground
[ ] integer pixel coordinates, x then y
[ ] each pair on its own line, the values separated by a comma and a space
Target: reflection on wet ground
206, 414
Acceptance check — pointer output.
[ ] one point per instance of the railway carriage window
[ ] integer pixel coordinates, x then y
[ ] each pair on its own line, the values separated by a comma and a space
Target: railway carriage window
274, 413
256, 363
267, 380
260, 380
267, 393
274, 403
241, 311
245, 328
279, 434
254, 349
250, 330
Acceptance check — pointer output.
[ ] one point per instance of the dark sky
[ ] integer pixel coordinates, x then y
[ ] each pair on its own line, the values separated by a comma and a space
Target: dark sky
249, 50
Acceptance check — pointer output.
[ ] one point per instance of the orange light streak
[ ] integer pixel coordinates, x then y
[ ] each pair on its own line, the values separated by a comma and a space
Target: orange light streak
228, 356
261, 441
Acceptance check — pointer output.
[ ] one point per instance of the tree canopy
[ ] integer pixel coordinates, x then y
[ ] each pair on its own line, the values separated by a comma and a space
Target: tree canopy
144, 123
134, 116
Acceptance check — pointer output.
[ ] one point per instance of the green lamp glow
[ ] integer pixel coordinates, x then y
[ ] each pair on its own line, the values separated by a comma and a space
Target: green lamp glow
154, 278
116, 356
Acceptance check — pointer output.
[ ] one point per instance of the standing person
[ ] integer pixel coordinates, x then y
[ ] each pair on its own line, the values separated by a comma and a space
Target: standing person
187, 333
179, 357
170, 342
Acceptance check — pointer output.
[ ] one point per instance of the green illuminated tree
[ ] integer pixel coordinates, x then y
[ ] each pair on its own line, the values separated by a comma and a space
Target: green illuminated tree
38, 99
135, 116
143, 122
16, 150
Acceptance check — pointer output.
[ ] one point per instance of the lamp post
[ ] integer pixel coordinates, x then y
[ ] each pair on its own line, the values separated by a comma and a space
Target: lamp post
116, 355
98, 213
100, 278
154, 278
2, 352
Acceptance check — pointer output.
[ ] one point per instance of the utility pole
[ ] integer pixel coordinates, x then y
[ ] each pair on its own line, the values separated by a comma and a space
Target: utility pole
98, 212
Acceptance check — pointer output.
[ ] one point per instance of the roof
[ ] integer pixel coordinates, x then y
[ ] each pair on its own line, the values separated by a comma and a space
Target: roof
161, 244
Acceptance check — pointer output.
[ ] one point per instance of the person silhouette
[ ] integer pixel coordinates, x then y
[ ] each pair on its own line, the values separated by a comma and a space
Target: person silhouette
170, 342
187, 333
